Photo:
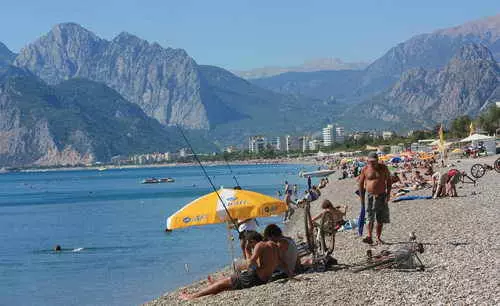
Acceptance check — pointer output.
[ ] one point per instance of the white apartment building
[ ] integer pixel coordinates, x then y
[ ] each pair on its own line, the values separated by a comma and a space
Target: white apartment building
328, 135
277, 143
339, 134
257, 144
387, 135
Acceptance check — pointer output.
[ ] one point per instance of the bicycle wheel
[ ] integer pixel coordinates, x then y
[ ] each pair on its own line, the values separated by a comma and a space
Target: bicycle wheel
308, 228
375, 264
327, 233
477, 170
497, 165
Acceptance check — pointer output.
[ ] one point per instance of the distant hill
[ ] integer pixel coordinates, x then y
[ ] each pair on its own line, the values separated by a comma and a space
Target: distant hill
427, 51
464, 86
265, 112
321, 64
76, 122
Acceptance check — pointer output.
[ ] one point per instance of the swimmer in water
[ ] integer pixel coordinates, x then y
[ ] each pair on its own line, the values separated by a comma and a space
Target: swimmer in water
57, 248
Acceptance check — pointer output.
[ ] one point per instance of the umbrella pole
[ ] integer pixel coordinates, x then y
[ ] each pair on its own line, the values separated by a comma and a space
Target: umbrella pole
230, 239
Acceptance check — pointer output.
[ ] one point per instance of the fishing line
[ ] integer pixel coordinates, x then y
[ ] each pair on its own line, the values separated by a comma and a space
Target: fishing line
231, 171
208, 178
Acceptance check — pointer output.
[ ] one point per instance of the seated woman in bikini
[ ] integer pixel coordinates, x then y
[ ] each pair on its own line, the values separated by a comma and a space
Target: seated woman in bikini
336, 212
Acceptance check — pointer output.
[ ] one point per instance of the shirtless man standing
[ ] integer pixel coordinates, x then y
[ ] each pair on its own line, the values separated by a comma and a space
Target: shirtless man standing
264, 260
375, 178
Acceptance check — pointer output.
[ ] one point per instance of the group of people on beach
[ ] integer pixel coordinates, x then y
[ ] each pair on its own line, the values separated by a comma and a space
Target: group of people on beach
270, 254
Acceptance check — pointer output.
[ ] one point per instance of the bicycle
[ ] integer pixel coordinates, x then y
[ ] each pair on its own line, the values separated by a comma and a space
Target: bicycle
403, 258
320, 236
479, 170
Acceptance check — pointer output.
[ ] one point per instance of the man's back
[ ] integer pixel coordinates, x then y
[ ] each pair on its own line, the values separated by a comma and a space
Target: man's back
268, 259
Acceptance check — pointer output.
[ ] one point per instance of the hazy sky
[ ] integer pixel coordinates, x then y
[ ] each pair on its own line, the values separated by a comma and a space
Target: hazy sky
242, 34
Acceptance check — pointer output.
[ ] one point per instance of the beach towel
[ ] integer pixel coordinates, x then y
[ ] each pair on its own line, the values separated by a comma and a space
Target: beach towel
408, 198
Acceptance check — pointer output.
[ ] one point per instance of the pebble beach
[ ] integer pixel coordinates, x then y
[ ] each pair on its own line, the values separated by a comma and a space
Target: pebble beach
461, 258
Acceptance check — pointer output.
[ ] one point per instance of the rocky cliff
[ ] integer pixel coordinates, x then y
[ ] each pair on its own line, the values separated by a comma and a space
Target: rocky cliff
464, 86
164, 82
75, 122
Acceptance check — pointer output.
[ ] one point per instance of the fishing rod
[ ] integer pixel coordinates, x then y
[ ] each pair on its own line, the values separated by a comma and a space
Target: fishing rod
231, 170
208, 178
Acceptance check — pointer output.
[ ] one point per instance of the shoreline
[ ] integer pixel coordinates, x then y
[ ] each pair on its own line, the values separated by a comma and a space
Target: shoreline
459, 254
284, 161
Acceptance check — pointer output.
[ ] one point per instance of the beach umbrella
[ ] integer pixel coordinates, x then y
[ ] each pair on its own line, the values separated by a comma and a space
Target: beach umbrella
241, 204
396, 160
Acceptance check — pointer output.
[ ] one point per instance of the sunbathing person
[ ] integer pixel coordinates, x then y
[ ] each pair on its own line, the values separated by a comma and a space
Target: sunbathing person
264, 260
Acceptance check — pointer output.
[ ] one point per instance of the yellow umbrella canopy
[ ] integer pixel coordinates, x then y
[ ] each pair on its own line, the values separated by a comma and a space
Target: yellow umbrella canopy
241, 204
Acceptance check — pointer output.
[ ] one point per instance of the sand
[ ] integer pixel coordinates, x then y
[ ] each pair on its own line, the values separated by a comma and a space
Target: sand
461, 255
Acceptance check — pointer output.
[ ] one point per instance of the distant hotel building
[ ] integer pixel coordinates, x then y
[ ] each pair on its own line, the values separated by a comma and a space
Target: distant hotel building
257, 144
277, 143
292, 143
328, 135
333, 135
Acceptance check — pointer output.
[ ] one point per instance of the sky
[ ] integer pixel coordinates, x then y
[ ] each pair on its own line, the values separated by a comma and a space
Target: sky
241, 34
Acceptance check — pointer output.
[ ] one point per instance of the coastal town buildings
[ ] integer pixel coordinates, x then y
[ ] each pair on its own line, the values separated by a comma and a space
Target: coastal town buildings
339, 134
328, 135
387, 135
257, 144
292, 143
277, 143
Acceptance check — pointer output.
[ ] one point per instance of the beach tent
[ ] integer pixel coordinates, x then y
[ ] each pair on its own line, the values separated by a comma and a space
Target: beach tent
488, 141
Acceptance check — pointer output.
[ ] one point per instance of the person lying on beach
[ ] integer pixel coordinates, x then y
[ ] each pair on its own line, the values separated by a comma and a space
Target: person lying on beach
264, 260
418, 180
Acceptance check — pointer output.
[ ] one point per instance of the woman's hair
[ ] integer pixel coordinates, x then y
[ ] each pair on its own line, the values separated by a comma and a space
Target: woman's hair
253, 236
326, 204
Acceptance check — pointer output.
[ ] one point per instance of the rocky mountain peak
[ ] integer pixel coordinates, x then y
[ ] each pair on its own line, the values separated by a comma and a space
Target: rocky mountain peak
63, 33
6, 56
128, 38
473, 52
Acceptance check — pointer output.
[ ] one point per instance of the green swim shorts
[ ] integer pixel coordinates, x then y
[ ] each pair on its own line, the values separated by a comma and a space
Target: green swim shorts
377, 208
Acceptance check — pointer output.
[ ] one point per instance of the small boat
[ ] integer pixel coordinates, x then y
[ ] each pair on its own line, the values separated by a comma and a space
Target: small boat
167, 180
318, 173
154, 180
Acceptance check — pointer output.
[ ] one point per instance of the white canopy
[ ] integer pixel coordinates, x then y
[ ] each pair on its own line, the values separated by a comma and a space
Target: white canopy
476, 137
436, 143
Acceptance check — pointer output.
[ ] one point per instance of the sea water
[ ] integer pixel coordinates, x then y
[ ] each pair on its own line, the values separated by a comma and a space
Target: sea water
111, 230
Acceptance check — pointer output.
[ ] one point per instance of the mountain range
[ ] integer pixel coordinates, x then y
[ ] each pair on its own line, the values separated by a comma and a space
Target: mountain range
72, 97
427, 51
320, 64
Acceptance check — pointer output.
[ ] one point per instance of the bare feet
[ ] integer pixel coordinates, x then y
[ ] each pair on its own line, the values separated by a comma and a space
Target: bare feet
210, 280
380, 241
185, 296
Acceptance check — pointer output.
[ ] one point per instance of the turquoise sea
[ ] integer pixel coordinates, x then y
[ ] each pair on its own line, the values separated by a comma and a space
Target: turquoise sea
110, 227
